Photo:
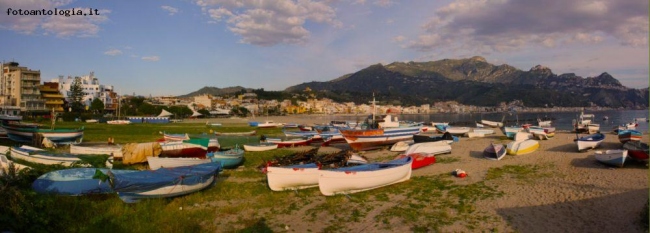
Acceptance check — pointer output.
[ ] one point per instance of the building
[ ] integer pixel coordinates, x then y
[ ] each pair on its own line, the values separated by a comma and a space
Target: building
52, 97
19, 87
92, 90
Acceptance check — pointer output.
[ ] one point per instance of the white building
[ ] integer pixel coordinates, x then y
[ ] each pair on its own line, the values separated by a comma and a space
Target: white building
90, 86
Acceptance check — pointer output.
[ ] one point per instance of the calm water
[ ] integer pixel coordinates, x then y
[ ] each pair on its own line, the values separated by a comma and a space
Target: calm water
561, 120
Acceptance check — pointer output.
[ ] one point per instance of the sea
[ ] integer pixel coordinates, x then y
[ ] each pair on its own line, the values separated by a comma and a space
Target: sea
607, 119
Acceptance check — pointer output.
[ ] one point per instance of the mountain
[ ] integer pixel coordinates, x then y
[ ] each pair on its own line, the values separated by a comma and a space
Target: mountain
474, 81
215, 91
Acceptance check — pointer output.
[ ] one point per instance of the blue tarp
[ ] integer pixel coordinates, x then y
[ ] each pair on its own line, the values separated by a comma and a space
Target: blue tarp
152, 120
143, 181
73, 182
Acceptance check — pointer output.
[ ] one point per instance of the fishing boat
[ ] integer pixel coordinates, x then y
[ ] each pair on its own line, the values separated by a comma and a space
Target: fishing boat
229, 158
364, 177
267, 124
522, 147
156, 163
366, 139
289, 142
96, 148
590, 141
36, 155
637, 150
629, 135
483, 131
585, 124
262, 146
192, 148
431, 148
420, 160
292, 177
447, 137
611, 157
165, 182
24, 133
332, 138
74, 182
247, 133
543, 123
494, 151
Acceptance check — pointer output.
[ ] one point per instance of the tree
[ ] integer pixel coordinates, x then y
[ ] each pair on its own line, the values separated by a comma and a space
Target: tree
76, 95
97, 106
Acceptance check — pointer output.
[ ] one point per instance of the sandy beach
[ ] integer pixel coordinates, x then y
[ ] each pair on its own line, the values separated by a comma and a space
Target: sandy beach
570, 191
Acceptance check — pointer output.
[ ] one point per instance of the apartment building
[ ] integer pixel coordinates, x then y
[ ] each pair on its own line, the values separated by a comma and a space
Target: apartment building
19, 86
92, 90
52, 97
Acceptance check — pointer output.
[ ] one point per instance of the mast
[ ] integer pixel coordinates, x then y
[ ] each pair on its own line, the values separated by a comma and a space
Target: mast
374, 108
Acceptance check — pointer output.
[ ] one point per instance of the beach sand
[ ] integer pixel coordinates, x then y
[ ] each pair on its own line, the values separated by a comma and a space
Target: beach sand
573, 193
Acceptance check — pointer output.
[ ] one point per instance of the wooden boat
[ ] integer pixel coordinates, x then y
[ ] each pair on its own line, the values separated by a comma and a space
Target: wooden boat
86, 148
175, 137
522, 147
193, 148
589, 141
25, 134
475, 135
157, 162
165, 182
494, 151
332, 138
300, 133
366, 139
483, 131
430, 148
292, 177
637, 150
74, 182
629, 135
229, 158
213, 142
492, 124
419, 160
263, 146
611, 157
364, 177
36, 155
291, 142
248, 133
419, 138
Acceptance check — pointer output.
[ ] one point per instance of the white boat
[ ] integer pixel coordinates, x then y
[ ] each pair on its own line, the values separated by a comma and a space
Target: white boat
364, 177
92, 121
268, 124
520, 136
36, 155
611, 157
430, 148
457, 130
475, 135
292, 177
589, 141
400, 146
118, 122
492, 124
522, 147
6, 165
157, 162
483, 131
85, 148
510, 131
543, 123
264, 146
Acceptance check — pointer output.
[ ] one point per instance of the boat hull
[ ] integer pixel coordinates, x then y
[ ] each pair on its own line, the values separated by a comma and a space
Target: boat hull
73, 182
494, 152
96, 149
371, 139
292, 177
522, 147
589, 141
612, 157
156, 163
58, 136
364, 177
260, 147
228, 159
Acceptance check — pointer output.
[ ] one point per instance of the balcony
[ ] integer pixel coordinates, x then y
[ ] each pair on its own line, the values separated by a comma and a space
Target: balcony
54, 102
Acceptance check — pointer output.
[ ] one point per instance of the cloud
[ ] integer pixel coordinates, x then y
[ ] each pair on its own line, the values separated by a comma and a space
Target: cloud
151, 58
399, 38
509, 25
268, 23
113, 52
59, 25
170, 10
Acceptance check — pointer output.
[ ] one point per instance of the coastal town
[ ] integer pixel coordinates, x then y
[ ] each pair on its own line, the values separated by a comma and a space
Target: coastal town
23, 91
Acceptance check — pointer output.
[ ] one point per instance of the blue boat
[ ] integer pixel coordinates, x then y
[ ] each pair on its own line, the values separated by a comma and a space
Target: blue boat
228, 159
73, 182
253, 123
164, 182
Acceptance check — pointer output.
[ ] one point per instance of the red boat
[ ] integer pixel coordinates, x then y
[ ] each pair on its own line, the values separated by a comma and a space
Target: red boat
289, 143
637, 150
419, 160
193, 148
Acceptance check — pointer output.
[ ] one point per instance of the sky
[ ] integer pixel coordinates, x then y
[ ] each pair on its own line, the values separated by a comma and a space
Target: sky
174, 47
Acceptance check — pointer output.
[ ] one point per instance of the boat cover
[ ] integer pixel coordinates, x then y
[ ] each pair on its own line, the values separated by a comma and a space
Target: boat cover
137, 152
147, 180
73, 182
